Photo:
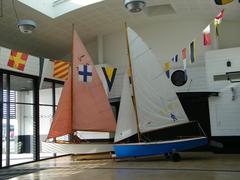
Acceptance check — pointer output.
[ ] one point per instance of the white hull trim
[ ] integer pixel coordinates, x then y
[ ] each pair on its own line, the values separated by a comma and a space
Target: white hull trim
84, 148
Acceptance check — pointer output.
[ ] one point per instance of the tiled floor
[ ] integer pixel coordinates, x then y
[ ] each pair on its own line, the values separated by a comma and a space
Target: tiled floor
194, 166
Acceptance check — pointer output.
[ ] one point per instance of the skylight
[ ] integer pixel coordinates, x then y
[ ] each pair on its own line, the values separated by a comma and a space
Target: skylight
84, 2
55, 8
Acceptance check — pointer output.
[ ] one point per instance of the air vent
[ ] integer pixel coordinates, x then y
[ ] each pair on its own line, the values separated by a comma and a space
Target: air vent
159, 10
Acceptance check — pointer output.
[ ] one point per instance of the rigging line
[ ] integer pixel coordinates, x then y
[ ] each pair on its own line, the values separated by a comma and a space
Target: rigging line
14, 8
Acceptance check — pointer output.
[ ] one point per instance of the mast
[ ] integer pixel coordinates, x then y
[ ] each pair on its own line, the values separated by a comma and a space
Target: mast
71, 135
133, 89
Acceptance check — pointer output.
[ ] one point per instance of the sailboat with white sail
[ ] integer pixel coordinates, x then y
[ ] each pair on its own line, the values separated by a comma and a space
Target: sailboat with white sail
154, 106
83, 106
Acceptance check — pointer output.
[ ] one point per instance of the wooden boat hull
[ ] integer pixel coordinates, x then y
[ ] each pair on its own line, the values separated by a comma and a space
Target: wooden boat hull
157, 148
84, 148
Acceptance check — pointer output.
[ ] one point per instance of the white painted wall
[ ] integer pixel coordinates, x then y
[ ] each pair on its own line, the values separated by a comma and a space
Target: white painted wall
93, 51
229, 34
224, 109
216, 65
225, 114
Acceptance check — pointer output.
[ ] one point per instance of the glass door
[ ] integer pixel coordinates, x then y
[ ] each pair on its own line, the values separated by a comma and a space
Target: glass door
4, 130
21, 121
17, 119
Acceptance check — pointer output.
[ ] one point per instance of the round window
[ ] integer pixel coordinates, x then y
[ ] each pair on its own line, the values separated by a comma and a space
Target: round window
179, 78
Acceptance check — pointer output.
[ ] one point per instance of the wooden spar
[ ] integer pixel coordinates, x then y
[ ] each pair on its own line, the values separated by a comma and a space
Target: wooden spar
133, 89
71, 135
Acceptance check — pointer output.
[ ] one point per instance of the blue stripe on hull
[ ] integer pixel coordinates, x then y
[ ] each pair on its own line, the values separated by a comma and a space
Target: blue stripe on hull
150, 149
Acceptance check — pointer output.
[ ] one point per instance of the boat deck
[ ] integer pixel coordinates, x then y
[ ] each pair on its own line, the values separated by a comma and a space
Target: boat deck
194, 165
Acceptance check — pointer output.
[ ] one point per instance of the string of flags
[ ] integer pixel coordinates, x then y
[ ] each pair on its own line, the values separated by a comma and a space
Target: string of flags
60, 71
206, 40
17, 60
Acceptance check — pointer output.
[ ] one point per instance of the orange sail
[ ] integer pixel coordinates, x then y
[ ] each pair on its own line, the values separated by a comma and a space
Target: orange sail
83, 104
62, 121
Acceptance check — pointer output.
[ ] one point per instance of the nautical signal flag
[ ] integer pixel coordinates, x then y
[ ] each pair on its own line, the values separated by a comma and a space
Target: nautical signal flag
222, 2
218, 20
129, 75
184, 54
85, 73
110, 74
17, 60
175, 58
207, 36
167, 67
192, 50
60, 69
184, 59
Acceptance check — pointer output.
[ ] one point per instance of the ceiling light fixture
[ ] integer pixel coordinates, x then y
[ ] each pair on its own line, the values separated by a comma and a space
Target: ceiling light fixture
26, 26
134, 6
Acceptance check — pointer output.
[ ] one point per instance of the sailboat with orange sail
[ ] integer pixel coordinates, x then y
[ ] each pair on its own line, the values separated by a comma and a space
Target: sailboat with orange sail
83, 106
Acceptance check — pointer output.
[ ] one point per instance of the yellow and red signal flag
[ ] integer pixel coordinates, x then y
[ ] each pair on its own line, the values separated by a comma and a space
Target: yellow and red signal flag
17, 60
60, 69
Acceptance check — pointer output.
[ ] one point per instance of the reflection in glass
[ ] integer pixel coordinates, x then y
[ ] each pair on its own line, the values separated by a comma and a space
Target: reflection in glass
4, 137
58, 91
45, 118
46, 93
21, 136
23, 88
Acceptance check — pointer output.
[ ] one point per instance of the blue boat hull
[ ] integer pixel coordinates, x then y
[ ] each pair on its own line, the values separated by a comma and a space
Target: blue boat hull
157, 148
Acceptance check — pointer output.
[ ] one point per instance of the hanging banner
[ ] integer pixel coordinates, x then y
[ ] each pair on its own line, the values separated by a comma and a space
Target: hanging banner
110, 74
218, 20
184, 59
192, 52
222, 2
60, 69
17, 60
207, 36
167, 67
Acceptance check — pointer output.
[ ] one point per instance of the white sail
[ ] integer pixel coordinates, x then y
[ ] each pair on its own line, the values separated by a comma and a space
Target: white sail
126, 125
157, 103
